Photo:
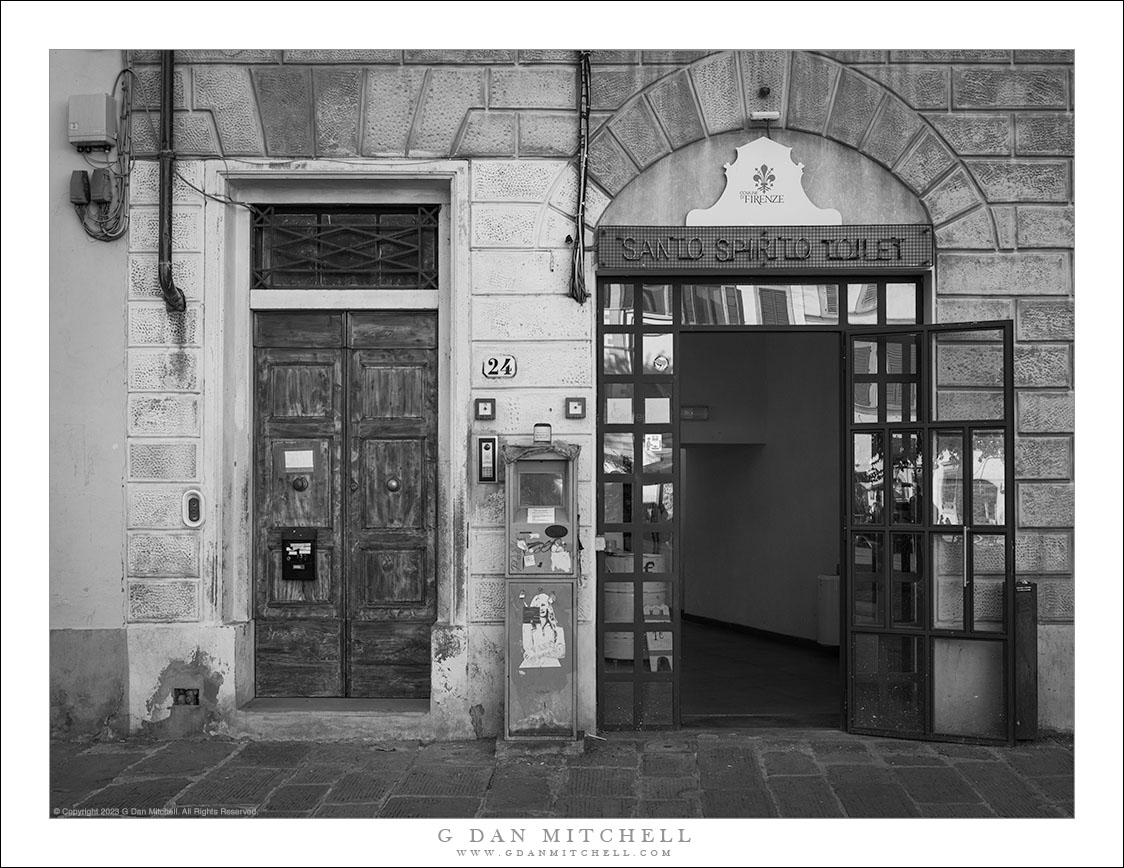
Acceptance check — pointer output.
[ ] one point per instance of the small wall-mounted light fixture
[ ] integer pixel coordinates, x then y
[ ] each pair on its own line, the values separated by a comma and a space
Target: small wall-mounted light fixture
542, 433
575, 408
486, 408
192, 507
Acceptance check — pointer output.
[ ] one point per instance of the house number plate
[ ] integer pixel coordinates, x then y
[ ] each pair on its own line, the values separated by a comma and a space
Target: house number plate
499, 367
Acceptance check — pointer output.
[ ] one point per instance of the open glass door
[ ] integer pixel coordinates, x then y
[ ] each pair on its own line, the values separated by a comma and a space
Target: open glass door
929, 532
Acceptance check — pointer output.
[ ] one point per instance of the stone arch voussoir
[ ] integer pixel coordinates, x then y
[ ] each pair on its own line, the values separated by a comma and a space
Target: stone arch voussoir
813, 94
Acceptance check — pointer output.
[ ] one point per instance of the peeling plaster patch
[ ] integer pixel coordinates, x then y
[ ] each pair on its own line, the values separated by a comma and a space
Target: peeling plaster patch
477, 715
199, 672
447, 644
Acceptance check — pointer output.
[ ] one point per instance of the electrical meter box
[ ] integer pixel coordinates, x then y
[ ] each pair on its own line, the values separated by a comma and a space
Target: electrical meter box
92, 122
542, 510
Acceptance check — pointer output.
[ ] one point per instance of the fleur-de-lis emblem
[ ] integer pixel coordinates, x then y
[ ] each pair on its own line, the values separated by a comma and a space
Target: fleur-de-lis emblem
764, 178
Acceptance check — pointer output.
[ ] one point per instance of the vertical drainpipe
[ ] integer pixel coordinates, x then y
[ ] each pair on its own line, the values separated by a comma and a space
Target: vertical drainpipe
173, 296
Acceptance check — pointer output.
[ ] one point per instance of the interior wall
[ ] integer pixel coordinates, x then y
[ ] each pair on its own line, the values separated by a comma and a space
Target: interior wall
761, 514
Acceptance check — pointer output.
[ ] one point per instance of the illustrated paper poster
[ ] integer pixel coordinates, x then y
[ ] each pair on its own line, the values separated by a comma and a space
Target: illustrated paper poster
540, 663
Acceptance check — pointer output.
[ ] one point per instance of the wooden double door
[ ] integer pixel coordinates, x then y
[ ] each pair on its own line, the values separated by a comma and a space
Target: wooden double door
345, 503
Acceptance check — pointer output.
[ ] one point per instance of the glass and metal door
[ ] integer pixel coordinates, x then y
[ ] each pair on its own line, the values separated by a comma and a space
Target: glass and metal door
929, 531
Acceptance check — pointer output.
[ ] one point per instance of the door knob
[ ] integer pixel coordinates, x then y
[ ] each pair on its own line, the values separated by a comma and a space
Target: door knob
300, 483
393, 484
354, 485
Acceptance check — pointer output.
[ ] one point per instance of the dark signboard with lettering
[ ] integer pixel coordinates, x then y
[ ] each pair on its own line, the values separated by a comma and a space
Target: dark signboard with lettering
741, 248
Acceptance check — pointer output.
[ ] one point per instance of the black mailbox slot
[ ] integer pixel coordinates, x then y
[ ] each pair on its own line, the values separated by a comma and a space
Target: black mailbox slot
298, 555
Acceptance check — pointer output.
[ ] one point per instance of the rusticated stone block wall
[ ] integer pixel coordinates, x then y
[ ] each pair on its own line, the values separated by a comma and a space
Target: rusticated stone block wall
163, 559
984, 138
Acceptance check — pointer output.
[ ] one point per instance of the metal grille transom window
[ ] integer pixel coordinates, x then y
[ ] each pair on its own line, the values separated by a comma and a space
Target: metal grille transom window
337, 246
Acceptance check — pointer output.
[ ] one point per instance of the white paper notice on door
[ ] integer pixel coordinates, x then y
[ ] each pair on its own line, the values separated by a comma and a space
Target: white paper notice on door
298, 459
540, 515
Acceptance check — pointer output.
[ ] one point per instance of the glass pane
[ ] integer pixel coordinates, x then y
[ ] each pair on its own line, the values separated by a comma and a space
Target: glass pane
616, 499
619, 553
888, 693
908, 477
618, 304
968, 375
657, 601
657, 703
617, 602
617, 355
948, 581
862, 304
659, 354
659, 454
901, 355
906, 586
656, 303
761, 304
618, 454
968, 688
658, 651
620, 653
659, 503
615, 700
989, 582
864, 356
656, 556
618, 403
867, 597
894, 402
989, 478
948, 480
657, 403
866, 403
866, 499
713, 305
901, 303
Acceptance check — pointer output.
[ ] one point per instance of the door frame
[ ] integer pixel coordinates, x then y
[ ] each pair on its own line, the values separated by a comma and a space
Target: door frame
226, 314
924, 306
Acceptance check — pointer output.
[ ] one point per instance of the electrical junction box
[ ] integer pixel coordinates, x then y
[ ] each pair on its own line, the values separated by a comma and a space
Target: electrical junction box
92, 122
542, 510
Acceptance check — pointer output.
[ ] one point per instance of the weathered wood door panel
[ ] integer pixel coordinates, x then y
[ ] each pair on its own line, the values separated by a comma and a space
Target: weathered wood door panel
392, 445
345, 449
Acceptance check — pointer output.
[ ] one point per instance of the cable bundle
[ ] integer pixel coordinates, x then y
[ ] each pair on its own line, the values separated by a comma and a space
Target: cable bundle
108, 221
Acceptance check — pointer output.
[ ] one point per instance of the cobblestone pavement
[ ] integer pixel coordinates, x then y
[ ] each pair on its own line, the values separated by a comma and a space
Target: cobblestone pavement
728, 773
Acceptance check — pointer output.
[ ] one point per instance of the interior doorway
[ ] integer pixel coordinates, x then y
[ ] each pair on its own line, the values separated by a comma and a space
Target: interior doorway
761, 518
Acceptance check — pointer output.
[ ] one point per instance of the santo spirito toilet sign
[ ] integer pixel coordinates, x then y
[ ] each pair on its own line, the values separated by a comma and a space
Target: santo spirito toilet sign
764, 187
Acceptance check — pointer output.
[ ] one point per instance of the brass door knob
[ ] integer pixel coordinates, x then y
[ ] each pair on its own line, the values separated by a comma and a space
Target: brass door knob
300, 483
393, 484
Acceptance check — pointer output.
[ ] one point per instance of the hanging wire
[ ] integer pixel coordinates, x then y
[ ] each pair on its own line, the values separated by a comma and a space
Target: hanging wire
578, 292
108, 221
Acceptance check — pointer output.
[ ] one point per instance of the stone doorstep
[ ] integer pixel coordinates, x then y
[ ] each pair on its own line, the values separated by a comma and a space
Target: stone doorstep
531, 748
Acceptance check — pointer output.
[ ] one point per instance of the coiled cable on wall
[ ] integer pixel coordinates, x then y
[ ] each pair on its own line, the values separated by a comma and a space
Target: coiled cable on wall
578, 291
108, 221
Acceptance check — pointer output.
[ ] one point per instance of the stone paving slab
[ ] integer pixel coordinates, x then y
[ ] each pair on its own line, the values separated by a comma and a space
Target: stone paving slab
136, 795
926, 785
804, 797
691, 773
401, 807
185, 758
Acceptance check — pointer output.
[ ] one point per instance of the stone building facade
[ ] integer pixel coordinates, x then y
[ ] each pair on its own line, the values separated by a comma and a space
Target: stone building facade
982, 141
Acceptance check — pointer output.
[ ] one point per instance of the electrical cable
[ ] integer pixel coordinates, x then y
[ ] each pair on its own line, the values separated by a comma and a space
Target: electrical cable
109, 221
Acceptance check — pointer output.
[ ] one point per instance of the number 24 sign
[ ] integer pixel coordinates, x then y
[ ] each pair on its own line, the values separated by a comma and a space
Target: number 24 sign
499, 367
